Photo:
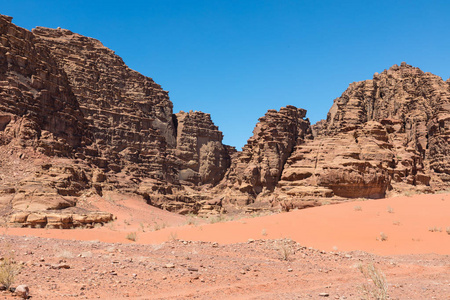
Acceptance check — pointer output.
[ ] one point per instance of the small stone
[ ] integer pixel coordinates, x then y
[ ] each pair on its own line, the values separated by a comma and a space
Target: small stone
242, 271
191, 269
170, 266
290, 270
215, 245
60, 266
250, 241
324, 295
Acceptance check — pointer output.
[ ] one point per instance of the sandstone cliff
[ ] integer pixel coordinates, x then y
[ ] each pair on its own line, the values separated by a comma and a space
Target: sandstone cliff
75, 121
66, 95
382, 136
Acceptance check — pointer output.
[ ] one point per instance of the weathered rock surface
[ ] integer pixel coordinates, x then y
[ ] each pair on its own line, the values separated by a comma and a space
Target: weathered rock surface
385, 135
129, 115
257, 169
37, 105
58, 219
199, 146
76, 121
66, 95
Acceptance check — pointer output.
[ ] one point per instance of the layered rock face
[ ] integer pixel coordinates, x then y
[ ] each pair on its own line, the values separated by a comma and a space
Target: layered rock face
39, 118
129, 115
388, 133
63, 94
199, 146
257, 169
75, 121
37, 104
385, 135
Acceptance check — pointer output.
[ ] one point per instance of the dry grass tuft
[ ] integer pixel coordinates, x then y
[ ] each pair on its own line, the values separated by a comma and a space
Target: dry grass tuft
9, 269
435, 229
383, 237
375, 286
132, 236
357, 208
285, 249
173, 236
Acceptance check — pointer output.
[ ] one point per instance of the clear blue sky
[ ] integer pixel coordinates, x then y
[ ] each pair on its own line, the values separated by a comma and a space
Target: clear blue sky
237, 59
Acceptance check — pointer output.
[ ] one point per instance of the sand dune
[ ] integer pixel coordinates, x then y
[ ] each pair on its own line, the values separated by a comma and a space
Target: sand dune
405, 222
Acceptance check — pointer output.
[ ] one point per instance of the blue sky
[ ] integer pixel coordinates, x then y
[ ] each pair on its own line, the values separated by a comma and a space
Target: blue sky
237, 59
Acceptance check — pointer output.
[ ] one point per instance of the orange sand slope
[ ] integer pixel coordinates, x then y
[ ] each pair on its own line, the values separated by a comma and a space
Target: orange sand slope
410, 225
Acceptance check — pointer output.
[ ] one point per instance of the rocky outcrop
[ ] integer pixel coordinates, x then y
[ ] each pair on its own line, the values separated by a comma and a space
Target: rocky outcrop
66, 95
76, 121
37, 106
129, 115
350, 164
204, 159
257, 169
56, 219
381, 135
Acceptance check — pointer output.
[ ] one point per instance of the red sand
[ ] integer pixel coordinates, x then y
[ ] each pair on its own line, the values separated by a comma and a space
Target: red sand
406, 221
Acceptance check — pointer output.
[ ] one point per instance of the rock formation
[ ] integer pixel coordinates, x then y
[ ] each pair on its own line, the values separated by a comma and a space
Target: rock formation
257, 169
199, 145
75, 121
129, 115
66, 95
37, 105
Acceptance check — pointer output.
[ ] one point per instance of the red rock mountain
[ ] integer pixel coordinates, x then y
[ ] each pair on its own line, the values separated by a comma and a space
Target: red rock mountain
76, 123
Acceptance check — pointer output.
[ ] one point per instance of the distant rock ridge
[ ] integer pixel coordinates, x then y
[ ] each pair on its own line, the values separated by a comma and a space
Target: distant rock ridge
75, 121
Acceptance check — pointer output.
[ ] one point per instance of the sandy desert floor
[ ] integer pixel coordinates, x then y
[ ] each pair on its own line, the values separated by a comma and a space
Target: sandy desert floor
305, 254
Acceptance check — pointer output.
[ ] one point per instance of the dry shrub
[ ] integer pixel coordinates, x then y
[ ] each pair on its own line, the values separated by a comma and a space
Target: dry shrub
375, 286
285, 249
9, 269
132, 236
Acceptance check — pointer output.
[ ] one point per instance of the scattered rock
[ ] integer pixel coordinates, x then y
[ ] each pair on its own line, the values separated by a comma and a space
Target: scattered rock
22, 291
60, 266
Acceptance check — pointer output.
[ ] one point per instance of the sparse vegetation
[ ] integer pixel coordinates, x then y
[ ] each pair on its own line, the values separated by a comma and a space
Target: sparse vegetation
383, 237
159, 226
435, 229
409, 193
9, 269
396, 223
390, 210
191, 220
357, 208
217, 219
375, 286
447, 230
173, 236
264, 232
132, 236
285, 249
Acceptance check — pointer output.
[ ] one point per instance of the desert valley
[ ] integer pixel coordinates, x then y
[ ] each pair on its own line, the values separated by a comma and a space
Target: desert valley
107, 193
